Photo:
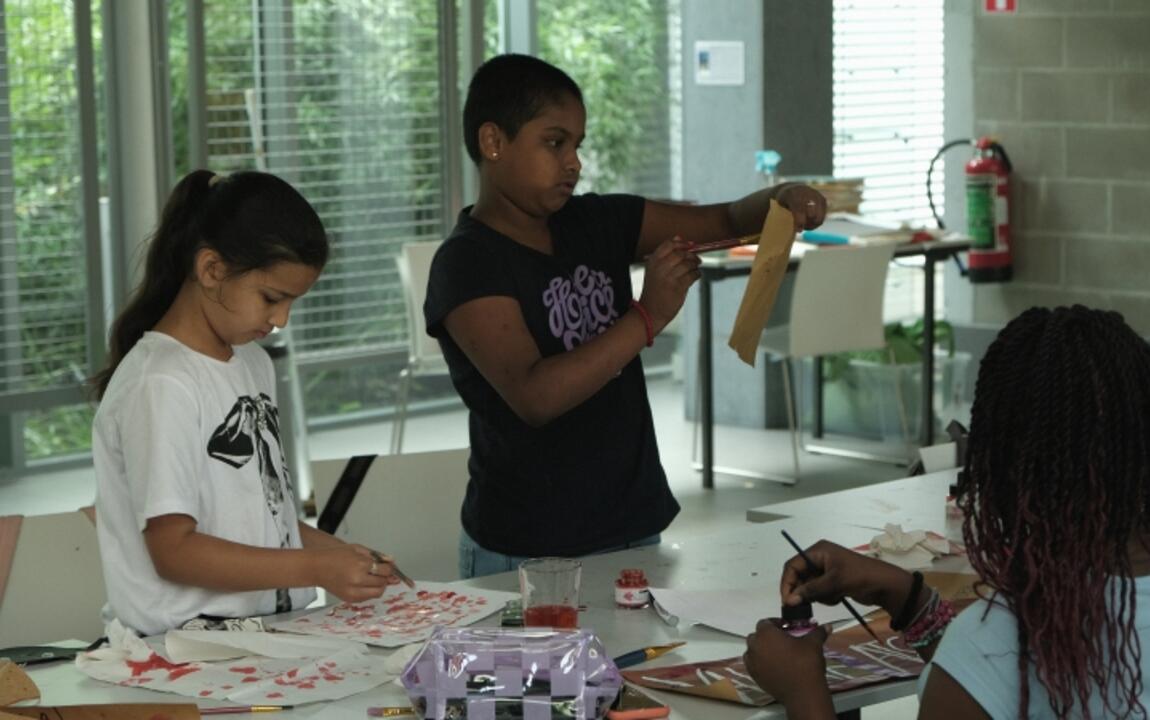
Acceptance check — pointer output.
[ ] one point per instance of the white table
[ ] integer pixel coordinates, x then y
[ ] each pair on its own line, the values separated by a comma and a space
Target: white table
916, 503
748, 556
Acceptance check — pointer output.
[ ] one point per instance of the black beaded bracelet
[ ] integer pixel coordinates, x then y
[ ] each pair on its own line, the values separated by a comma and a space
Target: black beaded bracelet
904, 615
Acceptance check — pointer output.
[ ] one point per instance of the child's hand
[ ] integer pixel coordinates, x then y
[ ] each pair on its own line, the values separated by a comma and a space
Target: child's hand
671, 270
788, 668
352, 574
807, 205
840, 572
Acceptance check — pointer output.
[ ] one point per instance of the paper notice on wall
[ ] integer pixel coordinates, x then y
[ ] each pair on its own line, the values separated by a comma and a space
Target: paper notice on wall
763, 285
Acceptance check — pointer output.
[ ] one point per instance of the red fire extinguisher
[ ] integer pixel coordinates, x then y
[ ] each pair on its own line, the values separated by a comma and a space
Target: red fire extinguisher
988, 212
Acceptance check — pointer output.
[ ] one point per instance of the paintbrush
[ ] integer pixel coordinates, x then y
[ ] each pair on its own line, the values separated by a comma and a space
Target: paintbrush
724, 244
846, 603
243, 709
394, 569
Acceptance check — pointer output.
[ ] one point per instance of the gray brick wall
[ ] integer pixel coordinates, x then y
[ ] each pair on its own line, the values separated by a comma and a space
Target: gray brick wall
1065, 86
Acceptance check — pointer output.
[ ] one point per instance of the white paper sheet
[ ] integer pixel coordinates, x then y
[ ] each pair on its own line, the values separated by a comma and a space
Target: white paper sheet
211, 645
735, 611
131, 662
402, 617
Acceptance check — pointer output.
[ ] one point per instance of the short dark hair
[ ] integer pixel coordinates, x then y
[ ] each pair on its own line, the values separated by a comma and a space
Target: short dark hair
510, 90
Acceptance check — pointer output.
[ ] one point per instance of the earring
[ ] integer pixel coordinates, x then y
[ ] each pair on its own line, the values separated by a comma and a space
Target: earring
494, 156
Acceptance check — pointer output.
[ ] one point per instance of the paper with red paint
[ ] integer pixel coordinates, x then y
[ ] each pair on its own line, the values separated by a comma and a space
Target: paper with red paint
129, 661
212, 645
407, 616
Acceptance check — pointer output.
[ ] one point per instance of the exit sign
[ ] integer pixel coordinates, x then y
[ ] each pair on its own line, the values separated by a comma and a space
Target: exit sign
1001, 6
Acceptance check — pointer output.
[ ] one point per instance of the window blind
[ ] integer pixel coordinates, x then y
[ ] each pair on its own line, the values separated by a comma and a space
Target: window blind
43, 301
340, 98
888, 102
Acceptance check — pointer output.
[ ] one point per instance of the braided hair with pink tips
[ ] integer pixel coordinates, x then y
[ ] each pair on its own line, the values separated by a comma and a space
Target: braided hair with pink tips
1055, 493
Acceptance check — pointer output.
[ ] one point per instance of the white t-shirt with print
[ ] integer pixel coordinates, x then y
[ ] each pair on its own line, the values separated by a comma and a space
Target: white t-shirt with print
178, 432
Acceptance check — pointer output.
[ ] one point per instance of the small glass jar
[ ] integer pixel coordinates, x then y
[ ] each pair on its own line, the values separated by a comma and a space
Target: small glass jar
631, 589
797, 620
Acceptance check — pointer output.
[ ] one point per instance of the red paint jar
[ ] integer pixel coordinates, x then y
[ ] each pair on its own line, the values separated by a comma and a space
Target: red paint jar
631, 589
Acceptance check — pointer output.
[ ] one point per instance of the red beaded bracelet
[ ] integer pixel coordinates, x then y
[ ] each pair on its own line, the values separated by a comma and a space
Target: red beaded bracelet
646, 321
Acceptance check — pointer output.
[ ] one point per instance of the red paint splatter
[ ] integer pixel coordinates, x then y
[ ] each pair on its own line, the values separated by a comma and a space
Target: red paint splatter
155, 662
245, 670
275, 695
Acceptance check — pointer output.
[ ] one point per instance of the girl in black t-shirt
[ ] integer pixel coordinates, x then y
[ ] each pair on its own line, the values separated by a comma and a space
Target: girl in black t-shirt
531, 300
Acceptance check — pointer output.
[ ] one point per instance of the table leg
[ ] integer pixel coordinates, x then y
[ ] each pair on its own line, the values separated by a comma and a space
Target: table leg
706, 380
927, 432
817, 382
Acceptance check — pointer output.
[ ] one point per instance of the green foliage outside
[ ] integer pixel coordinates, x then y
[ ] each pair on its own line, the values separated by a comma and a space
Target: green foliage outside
354, 63
617, 52
47, 306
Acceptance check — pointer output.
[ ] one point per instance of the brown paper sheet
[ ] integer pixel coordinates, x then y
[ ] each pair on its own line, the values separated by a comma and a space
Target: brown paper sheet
15, 685
763, 285
133, 711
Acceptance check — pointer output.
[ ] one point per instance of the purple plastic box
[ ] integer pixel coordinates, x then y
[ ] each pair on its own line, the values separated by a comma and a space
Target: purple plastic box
495, 673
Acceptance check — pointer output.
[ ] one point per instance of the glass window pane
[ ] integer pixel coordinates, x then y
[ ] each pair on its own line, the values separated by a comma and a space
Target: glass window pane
620, 54
345, 105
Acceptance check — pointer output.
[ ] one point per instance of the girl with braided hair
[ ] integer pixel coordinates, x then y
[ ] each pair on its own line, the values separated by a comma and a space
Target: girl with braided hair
1056, 496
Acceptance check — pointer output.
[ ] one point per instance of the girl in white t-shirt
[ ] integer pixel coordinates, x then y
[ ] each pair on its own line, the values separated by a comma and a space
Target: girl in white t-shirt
195, 507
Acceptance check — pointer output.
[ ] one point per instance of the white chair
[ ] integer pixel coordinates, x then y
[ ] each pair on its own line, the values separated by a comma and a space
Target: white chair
407, 506
424, 357
55, 586
836, 306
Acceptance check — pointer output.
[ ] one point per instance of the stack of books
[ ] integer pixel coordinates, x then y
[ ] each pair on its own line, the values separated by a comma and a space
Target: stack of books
843, 194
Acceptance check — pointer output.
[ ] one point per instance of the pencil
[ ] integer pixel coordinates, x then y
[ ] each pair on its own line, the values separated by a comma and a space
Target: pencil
394, 569
724, 244
243, 709
644, 654
846, 603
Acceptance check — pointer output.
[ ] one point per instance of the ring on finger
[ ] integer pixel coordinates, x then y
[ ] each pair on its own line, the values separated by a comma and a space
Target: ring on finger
374, 567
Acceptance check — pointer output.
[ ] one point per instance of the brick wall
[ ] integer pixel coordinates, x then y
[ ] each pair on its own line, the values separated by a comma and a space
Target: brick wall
1065, 86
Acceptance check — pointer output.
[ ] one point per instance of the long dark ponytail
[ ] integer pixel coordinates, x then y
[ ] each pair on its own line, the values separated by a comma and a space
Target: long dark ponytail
253, 220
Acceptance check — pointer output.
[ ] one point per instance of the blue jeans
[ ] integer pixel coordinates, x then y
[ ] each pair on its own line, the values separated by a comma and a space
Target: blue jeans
475, 561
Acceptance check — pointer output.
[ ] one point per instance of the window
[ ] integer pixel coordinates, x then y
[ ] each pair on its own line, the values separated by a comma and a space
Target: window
625, 58
888, 120
47, 191
620, 54
341, 98
888, 102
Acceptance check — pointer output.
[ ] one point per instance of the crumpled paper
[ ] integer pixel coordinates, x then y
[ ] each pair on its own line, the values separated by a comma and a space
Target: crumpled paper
909, 549
129, 661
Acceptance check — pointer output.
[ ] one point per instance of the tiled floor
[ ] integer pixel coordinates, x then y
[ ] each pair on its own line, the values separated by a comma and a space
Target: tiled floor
703, 510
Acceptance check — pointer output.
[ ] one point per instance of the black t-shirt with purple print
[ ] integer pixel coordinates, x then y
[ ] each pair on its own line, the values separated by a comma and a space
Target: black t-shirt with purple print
590, 479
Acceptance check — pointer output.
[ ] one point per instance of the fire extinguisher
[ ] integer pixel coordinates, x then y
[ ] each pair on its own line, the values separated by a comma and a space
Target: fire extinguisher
988, 212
